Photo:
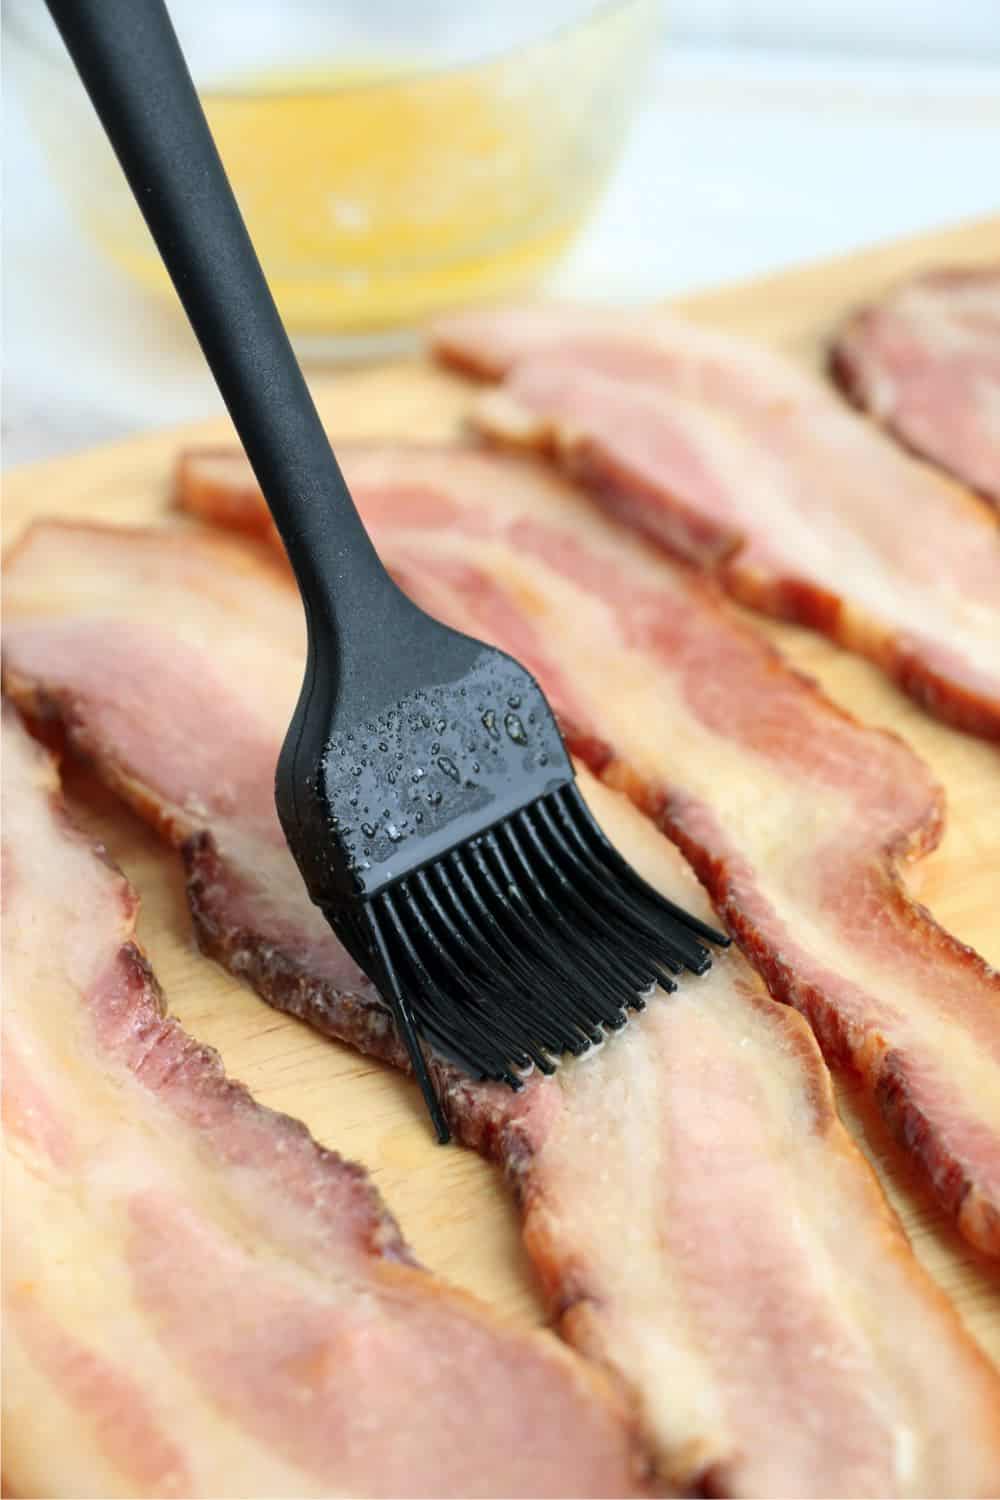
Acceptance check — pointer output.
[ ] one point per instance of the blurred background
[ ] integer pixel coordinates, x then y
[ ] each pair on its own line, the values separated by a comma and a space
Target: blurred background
395, 157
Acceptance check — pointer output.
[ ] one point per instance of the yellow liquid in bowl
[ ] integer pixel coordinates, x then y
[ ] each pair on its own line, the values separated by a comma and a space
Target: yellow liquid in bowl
375, 194
371, 205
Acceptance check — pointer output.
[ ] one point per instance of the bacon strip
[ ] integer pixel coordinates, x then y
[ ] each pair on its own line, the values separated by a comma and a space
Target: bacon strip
699, 1217
731, 457
793, 815
925, 362
198, 1299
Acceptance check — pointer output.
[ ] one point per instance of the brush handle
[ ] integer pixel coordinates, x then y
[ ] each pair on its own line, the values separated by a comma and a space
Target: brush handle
128, 56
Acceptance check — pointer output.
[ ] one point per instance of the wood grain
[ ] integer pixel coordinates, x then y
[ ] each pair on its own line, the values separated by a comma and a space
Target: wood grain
451, 1205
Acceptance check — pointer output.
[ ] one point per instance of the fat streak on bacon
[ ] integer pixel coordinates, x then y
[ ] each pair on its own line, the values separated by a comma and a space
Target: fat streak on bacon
699, 1219
733, 458
925, 362
198, 1299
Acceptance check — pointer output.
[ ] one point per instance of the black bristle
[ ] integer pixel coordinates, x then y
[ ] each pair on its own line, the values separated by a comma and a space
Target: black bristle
519, 978
527, 942
573, 807
638, 974
604, 1008
457, 961
405, 1020
660, 940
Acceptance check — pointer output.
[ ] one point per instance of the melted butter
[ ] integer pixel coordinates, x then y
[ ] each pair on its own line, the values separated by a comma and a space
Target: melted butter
374, 196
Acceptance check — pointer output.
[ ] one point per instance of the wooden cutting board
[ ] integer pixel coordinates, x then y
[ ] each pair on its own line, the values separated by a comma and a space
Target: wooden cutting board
453, 1207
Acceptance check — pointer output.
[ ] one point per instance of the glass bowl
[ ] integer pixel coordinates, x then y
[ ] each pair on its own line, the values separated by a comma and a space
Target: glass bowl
392, 157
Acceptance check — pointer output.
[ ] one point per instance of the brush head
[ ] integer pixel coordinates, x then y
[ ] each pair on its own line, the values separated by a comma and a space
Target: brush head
525, 943
528, 942
448, 845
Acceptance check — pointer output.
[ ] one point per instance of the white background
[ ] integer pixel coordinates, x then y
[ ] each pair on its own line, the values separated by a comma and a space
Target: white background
773, 132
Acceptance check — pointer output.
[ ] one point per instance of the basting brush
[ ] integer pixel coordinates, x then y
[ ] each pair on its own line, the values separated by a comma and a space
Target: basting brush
423, 786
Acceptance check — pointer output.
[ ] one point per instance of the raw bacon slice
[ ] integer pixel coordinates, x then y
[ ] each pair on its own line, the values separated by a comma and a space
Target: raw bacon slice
697, 1214
794, 815
925, 362
699, 1218
733, 458
198, 1299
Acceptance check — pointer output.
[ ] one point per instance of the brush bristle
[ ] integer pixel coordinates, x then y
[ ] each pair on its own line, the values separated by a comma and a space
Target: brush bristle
528, 942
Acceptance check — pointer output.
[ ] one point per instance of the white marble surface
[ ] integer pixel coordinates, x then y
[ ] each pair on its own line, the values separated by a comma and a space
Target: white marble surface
739, 163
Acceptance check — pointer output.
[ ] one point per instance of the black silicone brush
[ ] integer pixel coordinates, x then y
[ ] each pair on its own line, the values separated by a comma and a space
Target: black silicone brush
423, 786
